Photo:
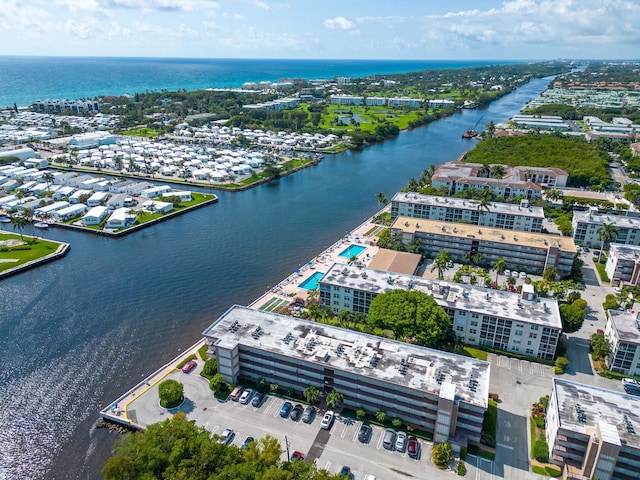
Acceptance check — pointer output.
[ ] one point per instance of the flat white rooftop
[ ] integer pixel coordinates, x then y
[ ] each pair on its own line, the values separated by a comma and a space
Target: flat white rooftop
485, 301
600, 218
581, 407
465, 204
627, 326
386, 360
625, 252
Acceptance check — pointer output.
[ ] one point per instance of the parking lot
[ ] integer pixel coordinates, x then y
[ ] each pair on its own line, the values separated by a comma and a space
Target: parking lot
332, 449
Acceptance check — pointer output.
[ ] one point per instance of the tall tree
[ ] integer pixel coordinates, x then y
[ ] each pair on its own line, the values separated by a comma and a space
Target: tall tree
607, 233
18, 222
500, 266
382, 198
312, 394
440, 263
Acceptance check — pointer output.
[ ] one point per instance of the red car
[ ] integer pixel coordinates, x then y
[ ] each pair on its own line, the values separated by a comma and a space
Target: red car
412, 446
190, 365
297, 455
600, 331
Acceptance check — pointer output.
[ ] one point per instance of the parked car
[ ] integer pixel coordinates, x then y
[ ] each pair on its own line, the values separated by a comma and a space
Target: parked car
514, 274
327, 420
586, 249
247, 441
246, 396
296, 413
226, 436
297, 455
412, 446
600, 331
630, 381
257, 399
507, 273
523, 275
632, 390
401, 440
190, 365
389, 439
307, 416
286, 409
364, 433
616, 290
345, 472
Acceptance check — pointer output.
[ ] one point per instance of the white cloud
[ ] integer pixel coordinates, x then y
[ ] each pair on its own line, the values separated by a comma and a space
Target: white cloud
80, 30
263, 5
340, 23
14, 15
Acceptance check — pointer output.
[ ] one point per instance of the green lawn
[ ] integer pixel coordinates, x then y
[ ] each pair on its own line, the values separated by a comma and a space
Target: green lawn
32, 250
141, 132
368, 118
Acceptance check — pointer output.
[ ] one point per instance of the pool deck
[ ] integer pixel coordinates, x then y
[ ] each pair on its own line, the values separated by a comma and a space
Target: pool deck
289, 289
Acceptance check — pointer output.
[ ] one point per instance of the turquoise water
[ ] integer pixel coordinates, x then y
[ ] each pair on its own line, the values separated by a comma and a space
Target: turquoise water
352, 251
24, 80
311, 283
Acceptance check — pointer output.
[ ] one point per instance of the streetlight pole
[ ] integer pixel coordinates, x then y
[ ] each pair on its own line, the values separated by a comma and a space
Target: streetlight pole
286, 442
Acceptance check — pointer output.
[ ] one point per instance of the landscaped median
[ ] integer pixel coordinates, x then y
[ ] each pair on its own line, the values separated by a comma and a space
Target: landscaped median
22, 252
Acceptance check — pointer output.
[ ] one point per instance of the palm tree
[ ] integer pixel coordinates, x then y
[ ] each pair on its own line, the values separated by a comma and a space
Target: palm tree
382, 199
334, 399
500, 266
440, 263
312, 394
553, 194
484, 205
484, 171
607, 233
381, 416
19, 222
48, 177
497, 171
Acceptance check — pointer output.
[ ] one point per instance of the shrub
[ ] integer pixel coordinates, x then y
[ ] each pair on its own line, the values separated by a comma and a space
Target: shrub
360, 413
462, 468
171, 393
538, 470
215, 382
610, 302
573, 296
463, 453
562, 363
541, 450
553, 472
185, 361
603, 274
441, 455
539, 421
396, 422
210, 368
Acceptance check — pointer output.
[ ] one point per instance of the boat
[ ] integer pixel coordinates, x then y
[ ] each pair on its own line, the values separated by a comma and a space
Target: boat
472, 132
5, 219
41, 225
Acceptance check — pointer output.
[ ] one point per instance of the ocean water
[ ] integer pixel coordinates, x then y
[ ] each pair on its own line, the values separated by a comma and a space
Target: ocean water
24, 80
77, 333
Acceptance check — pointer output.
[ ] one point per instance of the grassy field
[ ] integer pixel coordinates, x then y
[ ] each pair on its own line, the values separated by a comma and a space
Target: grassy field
340, 117
33, 249
141, 132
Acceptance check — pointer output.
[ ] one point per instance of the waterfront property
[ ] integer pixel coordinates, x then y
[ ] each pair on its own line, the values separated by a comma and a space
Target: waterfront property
509, 216
531, 252
588, 224
22, 252
514, 182
592, 432
523, 324
623, 264
442, 393
623, 333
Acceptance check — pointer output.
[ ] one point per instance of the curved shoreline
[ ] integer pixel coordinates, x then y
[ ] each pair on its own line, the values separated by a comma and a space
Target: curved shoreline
63, 249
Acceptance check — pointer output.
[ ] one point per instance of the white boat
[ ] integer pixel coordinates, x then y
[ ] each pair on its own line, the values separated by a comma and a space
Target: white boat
41, 225
5, 219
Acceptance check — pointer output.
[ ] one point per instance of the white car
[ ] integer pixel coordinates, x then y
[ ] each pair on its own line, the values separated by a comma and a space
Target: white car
514, 274
401, 439
630, 381
327, 420
507, 273
616, 290
523, 275
246, 396
226, 436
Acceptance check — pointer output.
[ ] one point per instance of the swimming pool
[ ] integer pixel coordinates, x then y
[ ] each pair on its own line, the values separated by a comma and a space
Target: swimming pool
352, 251
311, 283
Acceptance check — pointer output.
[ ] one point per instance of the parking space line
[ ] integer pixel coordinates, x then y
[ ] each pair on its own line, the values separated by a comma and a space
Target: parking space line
268, 407
344, 431
355, 433
520, 365
379, 444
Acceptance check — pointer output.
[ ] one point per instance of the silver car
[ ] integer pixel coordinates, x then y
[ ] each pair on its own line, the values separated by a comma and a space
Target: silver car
401, 440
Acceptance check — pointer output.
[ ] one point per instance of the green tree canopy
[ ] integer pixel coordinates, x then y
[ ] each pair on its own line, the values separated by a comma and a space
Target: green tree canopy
572, 317
178, 449
171, 393
410, 314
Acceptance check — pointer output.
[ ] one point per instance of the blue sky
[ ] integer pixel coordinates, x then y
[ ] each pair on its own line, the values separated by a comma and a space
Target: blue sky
334, 29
